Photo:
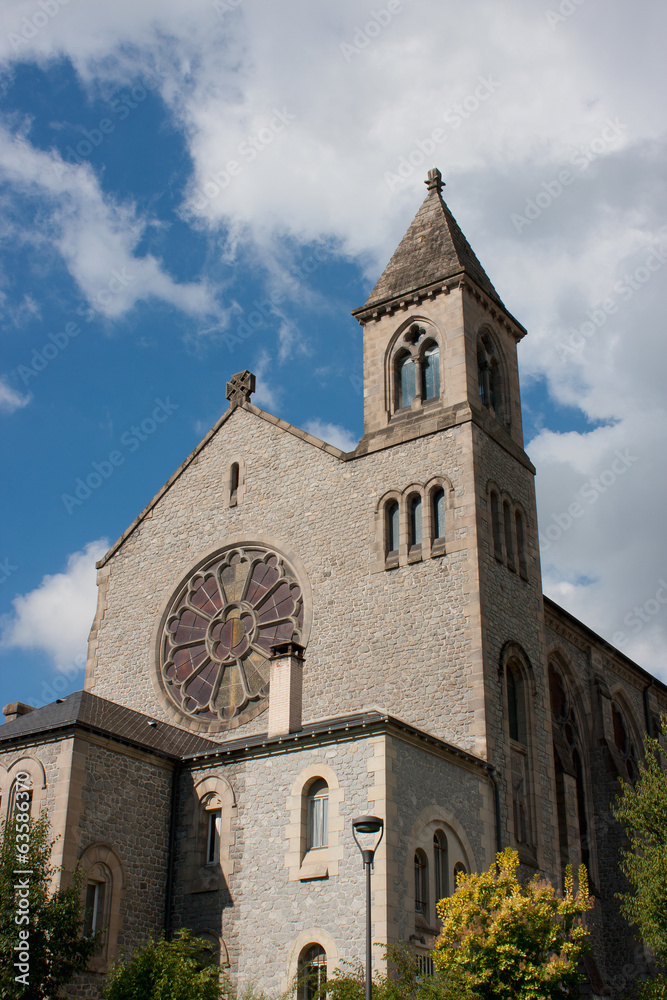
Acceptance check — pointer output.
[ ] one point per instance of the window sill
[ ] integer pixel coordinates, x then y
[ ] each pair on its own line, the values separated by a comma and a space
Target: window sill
414, 554
315, 864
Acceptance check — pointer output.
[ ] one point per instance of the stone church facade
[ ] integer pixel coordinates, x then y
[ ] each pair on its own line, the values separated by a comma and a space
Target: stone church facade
289, 636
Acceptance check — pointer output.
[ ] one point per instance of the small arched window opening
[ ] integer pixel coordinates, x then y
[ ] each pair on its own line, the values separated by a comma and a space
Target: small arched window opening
509, 541
460, 871
415, 514
624, 743
392, 528
521, 544
97, 900
312, 972
317, 815
421, 882
234, 484
405, 380
489, 376
438, 505
19, 805
516, 705
518, 733
431, 372
213, 827
440, 865
496, 527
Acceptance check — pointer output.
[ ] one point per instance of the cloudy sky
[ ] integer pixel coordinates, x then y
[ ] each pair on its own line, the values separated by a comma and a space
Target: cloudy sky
193, 187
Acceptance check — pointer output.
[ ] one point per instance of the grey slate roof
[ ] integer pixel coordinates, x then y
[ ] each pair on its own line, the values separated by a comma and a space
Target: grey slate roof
87, 711
434, 248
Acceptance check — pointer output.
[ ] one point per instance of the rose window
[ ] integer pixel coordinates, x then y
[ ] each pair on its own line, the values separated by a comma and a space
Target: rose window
217, 638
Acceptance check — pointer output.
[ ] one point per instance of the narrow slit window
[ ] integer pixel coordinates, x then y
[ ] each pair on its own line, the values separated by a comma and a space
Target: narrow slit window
509, 543
496, 527
421, 882
431, 372
440, 865
213, 836
415, 520
438, 514
318, 815
406, 381
521, 544
392, 528
234, 484
94, 908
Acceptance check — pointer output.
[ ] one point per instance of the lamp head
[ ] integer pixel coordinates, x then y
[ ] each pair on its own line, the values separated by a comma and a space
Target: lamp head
367, 831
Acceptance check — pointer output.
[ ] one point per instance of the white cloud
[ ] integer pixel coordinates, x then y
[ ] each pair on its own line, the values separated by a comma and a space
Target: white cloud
10, 399
333, 434
56, 617
96, 235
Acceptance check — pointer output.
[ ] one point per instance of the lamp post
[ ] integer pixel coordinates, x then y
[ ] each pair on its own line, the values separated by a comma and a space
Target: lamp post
367, 831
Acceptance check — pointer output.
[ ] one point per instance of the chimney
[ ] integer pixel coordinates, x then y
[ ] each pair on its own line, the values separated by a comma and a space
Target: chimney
285, 690
15, 710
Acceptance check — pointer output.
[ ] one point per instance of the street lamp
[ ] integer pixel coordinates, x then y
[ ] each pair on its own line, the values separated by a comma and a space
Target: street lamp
367, 831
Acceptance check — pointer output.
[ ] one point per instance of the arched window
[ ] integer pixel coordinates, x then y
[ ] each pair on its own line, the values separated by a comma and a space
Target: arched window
440, 865
415, 512
438, 514
233, 484
496, 527
19, 804
459, 870
318, 815
568, 762
509, 541
98, 898
489, 376
392, 526
312, 971
521, 544
431, 372
624, 743
421, 882
517, 725
405, 380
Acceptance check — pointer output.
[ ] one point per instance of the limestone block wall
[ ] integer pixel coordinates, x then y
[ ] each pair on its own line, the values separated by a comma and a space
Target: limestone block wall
261, 908
377, 638
429, 791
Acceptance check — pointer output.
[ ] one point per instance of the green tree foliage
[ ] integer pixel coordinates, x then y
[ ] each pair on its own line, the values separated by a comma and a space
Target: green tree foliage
514, 941
405, 982
40, 930
168, 970
642, 809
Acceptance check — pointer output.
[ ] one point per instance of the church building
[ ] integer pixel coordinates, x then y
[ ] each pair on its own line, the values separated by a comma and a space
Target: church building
290, 636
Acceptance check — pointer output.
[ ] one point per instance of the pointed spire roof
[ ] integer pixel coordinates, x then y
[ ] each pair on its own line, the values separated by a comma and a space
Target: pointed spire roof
433, 248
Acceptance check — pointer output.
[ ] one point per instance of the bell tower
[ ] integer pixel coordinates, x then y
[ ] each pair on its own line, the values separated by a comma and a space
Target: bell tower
441, 398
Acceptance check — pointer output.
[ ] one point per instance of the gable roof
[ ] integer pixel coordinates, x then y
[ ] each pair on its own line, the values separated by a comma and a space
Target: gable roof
433, 248
316, 442
87, 711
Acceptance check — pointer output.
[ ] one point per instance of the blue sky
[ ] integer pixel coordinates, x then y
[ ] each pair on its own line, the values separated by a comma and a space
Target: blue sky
189, 190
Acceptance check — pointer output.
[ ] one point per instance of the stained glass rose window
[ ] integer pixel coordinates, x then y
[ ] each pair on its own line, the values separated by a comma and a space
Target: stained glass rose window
218, 633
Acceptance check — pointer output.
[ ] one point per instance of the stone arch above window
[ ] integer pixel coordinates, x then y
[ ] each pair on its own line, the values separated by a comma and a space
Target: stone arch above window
518, 697
438, 839
314, 806
491, 377
310, 937
413, 366
413, 524
507, 530
235, 482
216, 947
26, 778
212, 836
102, 893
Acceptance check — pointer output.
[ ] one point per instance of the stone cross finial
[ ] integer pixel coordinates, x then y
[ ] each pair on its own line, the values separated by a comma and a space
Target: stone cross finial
240, 388
434, 181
